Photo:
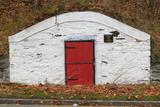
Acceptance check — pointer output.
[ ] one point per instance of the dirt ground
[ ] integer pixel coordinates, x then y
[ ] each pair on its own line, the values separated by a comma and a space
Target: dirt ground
14, 105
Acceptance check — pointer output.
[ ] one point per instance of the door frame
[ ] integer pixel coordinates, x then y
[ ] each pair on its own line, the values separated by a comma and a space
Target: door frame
65, 42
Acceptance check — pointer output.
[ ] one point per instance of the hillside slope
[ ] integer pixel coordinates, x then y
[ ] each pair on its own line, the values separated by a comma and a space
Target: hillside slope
16, 15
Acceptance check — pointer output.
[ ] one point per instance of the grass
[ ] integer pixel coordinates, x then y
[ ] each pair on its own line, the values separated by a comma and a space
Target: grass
88, 96
99, 92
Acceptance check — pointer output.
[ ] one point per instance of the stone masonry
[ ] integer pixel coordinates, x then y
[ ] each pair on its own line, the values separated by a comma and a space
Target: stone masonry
4, 71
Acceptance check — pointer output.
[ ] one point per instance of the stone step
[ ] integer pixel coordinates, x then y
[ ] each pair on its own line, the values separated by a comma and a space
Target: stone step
155, 71
4, 64
3, 61
155, 67
155, 81
155, 77
155, 74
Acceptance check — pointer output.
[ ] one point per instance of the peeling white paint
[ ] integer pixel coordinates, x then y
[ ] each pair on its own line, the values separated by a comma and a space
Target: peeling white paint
37, 53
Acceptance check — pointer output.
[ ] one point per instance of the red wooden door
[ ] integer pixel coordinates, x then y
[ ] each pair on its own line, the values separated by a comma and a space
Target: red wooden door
79, 62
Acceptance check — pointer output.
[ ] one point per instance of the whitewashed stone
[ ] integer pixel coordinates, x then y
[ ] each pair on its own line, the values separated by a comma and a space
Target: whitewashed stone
37, 53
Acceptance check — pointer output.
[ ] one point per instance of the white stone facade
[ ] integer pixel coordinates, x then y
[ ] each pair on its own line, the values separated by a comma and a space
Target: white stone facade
37, 53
